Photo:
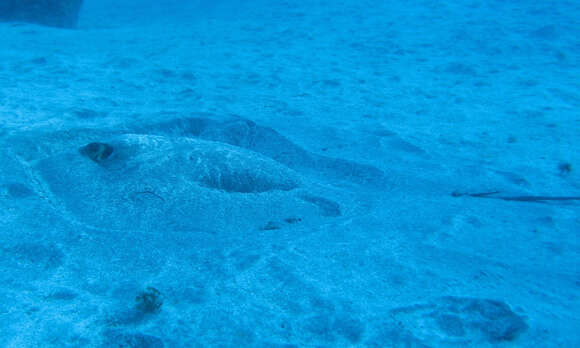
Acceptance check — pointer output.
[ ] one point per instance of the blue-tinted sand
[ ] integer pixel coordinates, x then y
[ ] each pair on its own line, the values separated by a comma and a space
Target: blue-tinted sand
291, 174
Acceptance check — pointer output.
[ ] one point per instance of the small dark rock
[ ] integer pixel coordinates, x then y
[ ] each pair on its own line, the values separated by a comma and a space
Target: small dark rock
292, 220
149, 301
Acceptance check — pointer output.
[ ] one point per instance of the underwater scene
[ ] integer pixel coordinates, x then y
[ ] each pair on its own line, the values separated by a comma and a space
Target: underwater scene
288, 174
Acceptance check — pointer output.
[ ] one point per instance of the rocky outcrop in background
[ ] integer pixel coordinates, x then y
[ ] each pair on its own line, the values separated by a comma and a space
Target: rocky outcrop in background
56, 13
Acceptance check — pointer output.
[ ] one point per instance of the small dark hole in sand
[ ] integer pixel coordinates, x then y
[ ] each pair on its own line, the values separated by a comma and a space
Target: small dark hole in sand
98, 152
564, 168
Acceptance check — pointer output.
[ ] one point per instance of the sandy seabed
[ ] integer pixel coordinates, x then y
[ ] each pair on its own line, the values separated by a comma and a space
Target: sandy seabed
298, 174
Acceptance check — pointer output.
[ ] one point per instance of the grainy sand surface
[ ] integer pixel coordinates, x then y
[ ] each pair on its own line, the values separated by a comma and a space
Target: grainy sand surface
282, 175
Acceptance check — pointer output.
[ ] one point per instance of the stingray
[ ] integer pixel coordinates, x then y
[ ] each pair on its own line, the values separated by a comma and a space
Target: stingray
132, 181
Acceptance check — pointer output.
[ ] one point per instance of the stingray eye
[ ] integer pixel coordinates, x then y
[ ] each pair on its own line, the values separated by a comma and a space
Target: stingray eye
98, 152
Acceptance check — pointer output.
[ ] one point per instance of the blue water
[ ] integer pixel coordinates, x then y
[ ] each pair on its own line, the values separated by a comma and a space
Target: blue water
291, 174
